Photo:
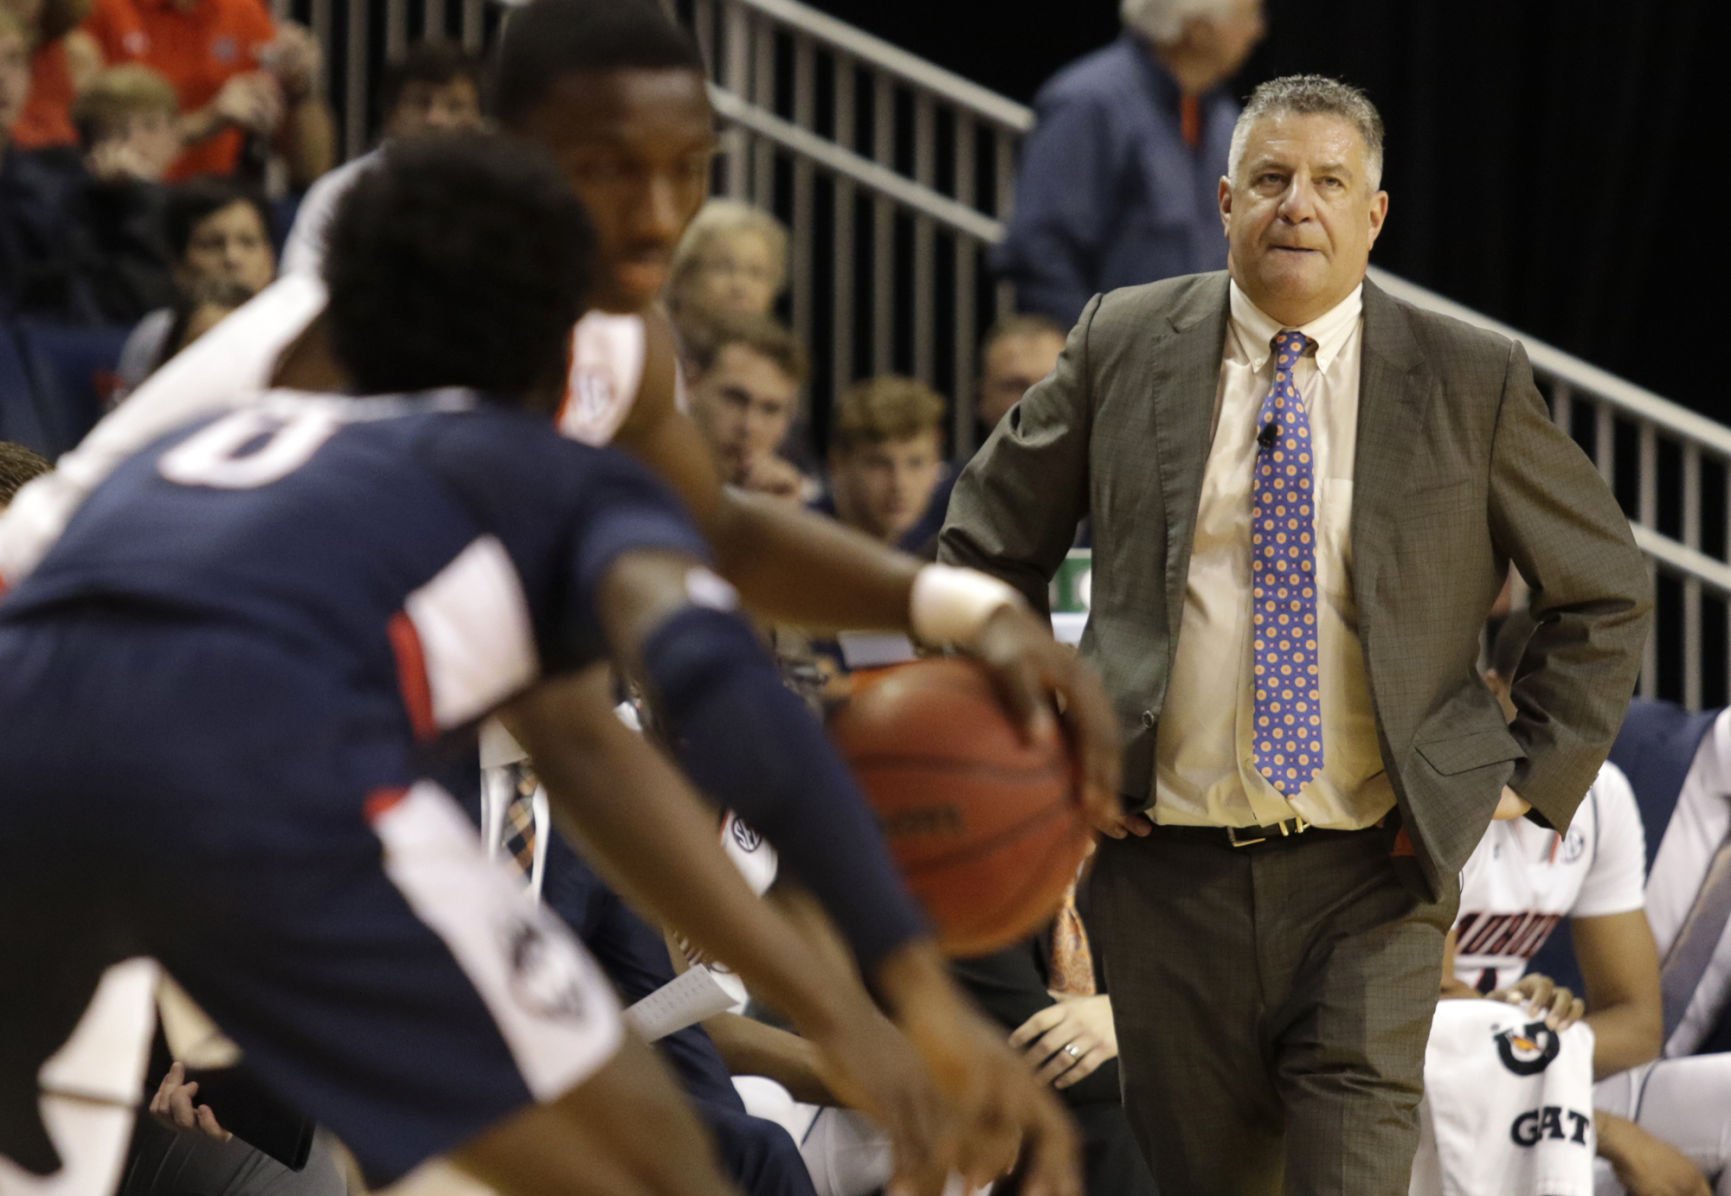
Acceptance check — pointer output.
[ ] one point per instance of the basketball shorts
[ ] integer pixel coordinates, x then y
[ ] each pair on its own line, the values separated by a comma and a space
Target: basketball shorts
218, 803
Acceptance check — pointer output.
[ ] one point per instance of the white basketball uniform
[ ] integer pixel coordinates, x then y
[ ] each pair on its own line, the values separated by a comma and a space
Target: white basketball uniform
1519, 883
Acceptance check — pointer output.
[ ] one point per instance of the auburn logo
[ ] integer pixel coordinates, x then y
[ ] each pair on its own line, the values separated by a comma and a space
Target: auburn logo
1528, 1050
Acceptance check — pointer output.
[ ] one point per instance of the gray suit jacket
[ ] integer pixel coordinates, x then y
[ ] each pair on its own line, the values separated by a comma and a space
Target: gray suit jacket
1459, 470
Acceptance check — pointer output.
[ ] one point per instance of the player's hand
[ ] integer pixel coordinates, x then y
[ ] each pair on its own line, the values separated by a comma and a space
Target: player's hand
1511, 805
1645, 1165
1000, 1107
172, 1105
1068, 1040
1041, 681
1544, 997
871, 1067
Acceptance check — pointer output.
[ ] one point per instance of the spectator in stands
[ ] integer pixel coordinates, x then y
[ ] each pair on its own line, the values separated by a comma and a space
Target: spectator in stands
127, 119
33, 183
745, 372
886, 457
732, 259
216, 232
1016, 353
199, 307
64, 60
246, 84
436, 85
107, 262
1118, 179
17, 466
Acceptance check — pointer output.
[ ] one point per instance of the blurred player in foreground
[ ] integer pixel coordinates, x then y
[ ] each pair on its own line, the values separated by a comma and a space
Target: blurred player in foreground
273, 633
617, 92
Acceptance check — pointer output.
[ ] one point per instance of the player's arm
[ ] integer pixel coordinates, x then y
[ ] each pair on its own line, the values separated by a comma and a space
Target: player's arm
1644, 1164
751, 744
1620, 964
649, 837
1452, 988
796, 567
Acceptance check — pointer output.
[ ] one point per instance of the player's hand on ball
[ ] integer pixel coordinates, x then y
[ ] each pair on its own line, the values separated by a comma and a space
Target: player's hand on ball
1544, 997
172, 1105
1067, 1041
872, 1068
1043, 681
1002, 1111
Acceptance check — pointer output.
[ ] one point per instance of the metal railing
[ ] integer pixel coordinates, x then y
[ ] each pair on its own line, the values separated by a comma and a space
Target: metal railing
895, 177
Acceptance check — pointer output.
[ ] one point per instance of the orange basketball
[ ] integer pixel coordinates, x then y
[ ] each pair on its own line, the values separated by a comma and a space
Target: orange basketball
986, 828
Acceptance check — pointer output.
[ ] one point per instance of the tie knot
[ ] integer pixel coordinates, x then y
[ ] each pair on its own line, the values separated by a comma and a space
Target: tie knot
1289, 345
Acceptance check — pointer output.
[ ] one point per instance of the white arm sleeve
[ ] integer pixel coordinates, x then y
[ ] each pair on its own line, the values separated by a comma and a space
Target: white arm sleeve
1617, 874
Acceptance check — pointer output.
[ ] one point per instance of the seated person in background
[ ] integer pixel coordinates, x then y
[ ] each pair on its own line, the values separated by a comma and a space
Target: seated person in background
246, 84
127, 119
1017, 352
17, 466
435, 85
64, 60
216, 232
200, 306
886, 458
742, 386
1659, 1125
34, 183
732, 259
1045, 992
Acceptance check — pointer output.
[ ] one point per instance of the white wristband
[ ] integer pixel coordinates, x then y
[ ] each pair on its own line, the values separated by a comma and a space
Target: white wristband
950, 605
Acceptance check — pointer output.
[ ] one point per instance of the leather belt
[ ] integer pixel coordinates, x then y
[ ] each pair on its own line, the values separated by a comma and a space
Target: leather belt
1286, 833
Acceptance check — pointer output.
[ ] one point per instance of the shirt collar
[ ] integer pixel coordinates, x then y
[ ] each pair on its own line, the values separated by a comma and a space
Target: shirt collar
1256, 329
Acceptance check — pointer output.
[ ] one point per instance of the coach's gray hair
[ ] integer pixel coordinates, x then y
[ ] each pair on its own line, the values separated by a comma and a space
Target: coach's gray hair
1162, 21
1308, 95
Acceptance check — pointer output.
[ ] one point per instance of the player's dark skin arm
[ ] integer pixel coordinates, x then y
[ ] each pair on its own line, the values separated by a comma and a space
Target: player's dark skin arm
985, 1083
796, 567
1620, 964
649, 837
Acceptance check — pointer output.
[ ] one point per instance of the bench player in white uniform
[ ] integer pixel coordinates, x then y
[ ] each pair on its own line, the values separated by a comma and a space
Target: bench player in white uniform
618, 93
1663, 1126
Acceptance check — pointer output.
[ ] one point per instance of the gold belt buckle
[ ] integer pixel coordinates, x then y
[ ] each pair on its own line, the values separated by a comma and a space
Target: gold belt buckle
1235, 841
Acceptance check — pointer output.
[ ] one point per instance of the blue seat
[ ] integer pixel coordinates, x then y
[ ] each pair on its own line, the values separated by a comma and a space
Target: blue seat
20, 420
73, 371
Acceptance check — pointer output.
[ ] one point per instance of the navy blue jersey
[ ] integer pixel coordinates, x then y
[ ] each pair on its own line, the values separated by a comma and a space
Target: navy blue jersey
436, 552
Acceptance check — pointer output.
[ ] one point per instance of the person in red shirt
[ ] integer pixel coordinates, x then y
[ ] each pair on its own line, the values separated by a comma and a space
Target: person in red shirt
64, 58
236, 72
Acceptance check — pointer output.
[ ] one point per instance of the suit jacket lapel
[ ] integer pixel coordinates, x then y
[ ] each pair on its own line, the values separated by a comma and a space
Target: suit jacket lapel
1184, 378
1395, 386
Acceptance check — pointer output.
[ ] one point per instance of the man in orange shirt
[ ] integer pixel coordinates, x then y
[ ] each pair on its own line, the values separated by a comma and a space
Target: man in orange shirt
236, 72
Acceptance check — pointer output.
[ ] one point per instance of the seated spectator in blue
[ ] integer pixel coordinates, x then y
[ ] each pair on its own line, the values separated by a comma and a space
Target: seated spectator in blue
434, 85
33, 183
217, 232
886, 458
744, 373
1118, 179
1016, 353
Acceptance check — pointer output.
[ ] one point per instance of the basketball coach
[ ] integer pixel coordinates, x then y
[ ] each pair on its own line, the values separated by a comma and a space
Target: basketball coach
1304, 497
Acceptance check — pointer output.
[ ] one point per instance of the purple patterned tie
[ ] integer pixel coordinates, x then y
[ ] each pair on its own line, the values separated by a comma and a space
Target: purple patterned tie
1288, 706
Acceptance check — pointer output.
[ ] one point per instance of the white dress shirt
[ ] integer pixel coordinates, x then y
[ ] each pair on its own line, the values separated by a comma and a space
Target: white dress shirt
1205, 771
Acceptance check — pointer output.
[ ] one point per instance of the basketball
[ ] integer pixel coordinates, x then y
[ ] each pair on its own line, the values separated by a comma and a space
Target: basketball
986, 828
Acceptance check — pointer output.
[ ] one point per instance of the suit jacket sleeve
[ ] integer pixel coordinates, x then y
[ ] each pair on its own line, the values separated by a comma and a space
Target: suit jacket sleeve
1015, 507
1559, 523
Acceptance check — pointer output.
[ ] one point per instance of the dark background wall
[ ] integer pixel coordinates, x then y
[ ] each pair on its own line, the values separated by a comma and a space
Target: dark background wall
1549, 162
